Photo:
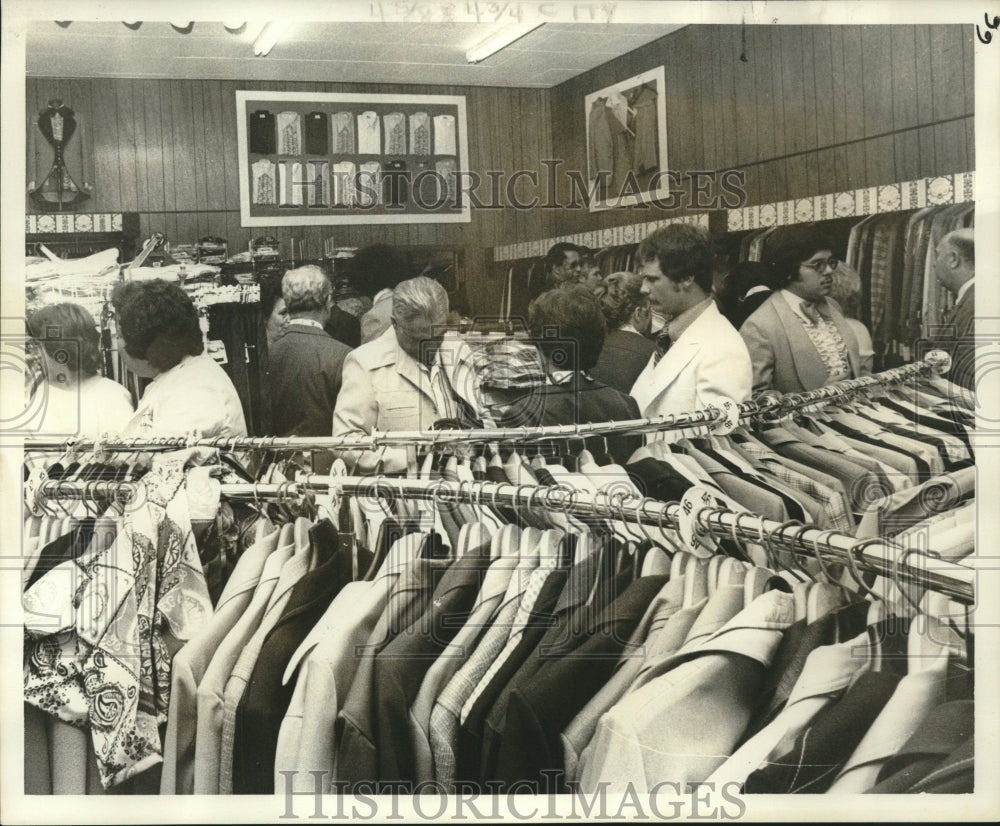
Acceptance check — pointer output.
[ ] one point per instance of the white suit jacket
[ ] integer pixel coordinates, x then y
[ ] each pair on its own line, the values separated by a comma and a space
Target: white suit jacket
708, 363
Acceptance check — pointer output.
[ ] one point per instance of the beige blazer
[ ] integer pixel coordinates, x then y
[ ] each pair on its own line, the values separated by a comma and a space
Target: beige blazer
191, 662
382, 387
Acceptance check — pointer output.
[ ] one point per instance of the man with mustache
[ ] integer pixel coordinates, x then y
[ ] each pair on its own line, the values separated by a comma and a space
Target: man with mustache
798, 338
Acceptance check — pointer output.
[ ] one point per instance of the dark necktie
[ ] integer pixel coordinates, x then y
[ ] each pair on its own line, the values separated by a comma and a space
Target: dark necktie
663, 343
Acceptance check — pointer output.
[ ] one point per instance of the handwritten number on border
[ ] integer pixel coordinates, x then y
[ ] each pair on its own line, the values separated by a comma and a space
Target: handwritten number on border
988, 37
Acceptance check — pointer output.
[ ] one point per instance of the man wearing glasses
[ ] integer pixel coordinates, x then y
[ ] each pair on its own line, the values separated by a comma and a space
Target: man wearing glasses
798, 338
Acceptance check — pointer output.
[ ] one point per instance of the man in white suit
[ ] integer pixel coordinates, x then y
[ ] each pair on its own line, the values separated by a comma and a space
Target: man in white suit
699, 359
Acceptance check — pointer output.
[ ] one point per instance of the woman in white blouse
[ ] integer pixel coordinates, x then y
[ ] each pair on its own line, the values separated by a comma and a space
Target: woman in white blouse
74, 398
160, 338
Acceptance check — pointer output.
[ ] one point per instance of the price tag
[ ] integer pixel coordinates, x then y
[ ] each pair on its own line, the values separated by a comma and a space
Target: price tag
730, 418
698, 541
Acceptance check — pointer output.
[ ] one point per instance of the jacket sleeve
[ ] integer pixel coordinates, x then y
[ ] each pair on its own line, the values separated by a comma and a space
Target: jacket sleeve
356, 414
761, 355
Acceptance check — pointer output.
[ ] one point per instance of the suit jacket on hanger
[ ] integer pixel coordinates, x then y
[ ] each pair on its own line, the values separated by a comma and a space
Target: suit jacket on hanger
784, 357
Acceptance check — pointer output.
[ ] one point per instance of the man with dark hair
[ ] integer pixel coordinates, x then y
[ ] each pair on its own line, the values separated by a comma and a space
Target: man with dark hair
375, 271
305, 361
700, 359
563, 265
798, 338
955, 268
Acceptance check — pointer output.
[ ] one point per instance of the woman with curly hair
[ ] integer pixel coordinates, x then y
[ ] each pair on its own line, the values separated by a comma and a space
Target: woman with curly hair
160, 338
75, 399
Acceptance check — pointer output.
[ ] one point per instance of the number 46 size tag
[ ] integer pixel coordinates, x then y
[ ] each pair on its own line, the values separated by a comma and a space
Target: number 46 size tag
696, 538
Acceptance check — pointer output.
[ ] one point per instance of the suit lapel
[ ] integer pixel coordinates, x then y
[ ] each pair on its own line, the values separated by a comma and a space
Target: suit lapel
807, 362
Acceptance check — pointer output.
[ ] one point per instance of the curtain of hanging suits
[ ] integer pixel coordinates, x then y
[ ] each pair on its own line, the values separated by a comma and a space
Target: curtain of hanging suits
188, 642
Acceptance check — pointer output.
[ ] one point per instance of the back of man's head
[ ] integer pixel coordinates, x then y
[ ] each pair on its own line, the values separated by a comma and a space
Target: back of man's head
622, 296
963, 241
305, 290
568, 327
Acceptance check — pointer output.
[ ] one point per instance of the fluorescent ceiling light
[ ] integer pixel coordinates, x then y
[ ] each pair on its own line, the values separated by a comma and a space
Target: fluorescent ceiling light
265, 41
500, 39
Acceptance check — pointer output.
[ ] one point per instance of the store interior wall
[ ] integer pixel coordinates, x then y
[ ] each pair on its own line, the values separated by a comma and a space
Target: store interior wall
814, 109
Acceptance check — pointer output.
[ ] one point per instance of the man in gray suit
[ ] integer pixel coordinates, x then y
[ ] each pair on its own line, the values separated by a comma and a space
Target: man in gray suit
955, 268
798, 338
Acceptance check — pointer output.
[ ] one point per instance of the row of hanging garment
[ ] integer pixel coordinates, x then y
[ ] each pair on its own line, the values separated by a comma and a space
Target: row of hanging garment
55, 685
893, 254
420, 661
470, 657
496, 662
113, 586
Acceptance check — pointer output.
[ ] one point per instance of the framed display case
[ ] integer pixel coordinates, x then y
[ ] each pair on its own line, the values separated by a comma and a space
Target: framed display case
344, 158
626, 128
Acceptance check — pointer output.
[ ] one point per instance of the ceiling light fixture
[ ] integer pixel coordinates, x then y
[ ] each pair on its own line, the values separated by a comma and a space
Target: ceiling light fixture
500, 39
267, 39
234, 27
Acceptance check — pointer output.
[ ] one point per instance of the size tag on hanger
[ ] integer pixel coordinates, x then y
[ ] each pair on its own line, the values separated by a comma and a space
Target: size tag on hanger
730, 418
696, 539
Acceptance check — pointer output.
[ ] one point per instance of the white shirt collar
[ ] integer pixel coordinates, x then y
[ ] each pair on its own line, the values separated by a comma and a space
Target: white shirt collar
964, 289
306, 322
760, 288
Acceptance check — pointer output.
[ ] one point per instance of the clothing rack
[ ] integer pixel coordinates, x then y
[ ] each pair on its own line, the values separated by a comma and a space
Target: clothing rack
875, 556
768, 405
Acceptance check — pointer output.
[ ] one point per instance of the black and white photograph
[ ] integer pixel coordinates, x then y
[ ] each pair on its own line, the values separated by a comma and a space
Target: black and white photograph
499, 411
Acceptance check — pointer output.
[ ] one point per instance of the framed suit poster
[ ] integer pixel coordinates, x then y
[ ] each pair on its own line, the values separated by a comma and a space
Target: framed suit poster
345, 158
626, 127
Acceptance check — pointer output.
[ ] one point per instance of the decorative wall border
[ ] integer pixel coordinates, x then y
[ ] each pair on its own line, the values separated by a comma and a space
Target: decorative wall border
73, 222
595, 239
942, 189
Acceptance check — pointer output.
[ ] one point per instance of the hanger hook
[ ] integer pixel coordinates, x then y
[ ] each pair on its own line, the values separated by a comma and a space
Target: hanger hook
639, 511
822, 535
852, 563
780, 531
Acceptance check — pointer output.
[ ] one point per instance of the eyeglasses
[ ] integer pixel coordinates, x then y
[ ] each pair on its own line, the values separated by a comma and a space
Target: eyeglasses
819, 266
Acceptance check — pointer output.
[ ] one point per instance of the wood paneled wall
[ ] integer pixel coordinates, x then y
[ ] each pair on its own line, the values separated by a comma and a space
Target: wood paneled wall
167, 150
814, 109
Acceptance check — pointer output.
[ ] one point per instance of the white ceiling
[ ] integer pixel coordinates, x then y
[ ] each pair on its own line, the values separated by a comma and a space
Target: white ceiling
419, 53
